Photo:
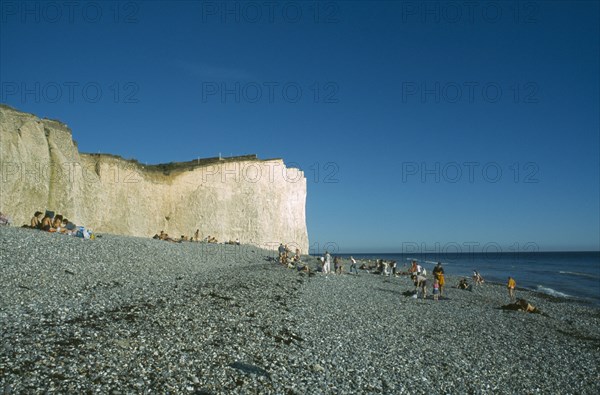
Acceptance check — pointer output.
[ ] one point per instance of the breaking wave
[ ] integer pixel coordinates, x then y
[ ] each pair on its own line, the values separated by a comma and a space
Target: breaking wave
552, 292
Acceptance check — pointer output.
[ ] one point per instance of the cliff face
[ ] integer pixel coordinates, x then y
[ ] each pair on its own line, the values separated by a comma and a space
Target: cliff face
260, 202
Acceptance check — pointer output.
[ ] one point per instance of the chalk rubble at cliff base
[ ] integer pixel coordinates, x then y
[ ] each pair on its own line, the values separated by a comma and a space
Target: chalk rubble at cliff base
130, 315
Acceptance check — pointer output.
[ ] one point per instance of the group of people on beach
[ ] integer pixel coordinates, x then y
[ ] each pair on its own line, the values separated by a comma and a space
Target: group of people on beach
417, 273
162, 235
57, 223
324, 264
477, 280
419, 277
379, 266
286, 258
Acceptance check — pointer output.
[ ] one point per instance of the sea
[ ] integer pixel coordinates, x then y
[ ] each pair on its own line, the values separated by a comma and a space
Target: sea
569, 275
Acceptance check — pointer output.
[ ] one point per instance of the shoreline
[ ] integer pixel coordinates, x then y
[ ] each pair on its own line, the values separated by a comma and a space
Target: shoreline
131, 315
542, 289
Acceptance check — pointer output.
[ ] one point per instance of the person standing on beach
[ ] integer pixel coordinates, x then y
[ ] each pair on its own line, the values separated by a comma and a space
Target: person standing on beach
511, 287
281, 251
438, 274
477, 279
384, 268
353, 265
413, 268
419, 270
327, 265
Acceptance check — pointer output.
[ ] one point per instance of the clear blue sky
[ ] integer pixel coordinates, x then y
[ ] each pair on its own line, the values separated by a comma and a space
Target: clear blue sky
407, 111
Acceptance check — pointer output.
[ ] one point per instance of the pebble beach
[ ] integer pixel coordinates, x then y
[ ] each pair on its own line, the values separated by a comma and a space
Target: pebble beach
131, 315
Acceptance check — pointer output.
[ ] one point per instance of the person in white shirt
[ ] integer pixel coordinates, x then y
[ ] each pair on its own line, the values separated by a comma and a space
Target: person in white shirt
353, 265
327, 265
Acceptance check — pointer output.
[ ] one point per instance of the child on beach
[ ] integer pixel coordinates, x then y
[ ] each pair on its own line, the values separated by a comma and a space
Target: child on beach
511, 287
436, 289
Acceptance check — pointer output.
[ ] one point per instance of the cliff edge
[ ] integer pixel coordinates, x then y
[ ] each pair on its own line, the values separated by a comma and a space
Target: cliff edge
260, 202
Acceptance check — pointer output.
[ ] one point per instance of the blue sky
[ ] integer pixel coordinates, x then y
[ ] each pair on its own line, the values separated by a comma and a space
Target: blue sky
433, 124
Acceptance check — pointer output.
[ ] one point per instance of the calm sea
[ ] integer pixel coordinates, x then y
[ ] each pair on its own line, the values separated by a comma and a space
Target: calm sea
574, 275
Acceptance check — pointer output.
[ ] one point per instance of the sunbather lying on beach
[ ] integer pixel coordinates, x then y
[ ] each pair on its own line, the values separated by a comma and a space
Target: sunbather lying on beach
521, 305
63, 227
303, 268
165, 237
159, 236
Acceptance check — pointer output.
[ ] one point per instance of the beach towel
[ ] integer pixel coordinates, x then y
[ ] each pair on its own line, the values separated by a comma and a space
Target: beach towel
83, 233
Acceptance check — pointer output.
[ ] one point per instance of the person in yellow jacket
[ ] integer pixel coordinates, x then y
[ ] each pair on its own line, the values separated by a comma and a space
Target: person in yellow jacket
511, 287
438, 273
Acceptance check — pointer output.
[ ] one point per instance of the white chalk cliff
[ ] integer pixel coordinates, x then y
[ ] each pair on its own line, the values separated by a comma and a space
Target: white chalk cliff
260, 202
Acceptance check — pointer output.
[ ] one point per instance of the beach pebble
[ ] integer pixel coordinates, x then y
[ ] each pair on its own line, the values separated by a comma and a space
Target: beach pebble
131, 315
